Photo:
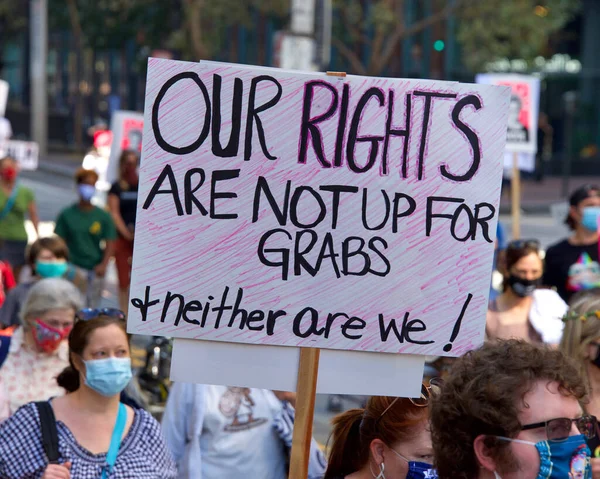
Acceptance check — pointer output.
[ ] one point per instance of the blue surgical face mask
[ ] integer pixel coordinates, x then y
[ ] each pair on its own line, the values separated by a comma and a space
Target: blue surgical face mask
51, 269
108, 376
418, 470
590, 218
86, 192
570, 458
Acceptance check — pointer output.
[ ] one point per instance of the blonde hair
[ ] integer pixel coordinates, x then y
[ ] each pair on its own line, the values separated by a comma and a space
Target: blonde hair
579, 332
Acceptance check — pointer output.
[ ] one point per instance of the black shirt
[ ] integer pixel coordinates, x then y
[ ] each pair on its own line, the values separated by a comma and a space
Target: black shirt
572, 268
127, 203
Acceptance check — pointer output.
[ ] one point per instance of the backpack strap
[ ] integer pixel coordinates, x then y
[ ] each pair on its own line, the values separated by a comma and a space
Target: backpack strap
10, 202
4, 348
49, 431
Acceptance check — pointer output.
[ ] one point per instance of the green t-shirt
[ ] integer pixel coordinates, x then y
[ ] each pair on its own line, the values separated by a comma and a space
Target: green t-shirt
84, 231
12, 226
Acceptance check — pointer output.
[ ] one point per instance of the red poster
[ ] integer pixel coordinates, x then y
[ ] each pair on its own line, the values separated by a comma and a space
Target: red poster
132, 134
519, 112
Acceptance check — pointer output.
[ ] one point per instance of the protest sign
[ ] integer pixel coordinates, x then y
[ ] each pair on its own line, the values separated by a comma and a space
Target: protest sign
127, 128
523, 111
25, 152
3, 96
347, 213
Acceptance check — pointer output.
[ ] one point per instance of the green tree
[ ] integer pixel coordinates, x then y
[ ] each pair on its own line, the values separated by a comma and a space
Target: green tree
487, 30
514, 29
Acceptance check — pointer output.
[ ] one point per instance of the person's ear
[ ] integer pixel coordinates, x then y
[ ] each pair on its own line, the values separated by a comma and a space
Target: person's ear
483, 454
78, 363
377, 448
575, 213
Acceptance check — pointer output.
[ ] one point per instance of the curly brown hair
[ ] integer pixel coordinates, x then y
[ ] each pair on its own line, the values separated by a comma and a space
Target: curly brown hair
484, 393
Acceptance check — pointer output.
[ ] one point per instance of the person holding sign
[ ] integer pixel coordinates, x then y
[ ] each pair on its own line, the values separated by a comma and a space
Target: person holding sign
511, 410
572, 264
523, 310
95, 434
15, 202
86, 228
122, 204
389, 438
581, 342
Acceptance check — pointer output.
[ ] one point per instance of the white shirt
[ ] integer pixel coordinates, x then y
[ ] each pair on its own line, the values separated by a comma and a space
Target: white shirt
219, 432
28, 375
546, 314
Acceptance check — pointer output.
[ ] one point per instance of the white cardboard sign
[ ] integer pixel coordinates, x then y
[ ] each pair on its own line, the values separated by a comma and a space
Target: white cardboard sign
283, 209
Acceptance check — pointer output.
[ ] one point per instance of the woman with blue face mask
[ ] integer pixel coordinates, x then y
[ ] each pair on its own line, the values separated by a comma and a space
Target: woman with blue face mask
98, 436
388, 439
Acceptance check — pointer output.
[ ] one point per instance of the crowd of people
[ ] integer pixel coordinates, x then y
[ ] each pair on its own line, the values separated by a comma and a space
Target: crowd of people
524, 405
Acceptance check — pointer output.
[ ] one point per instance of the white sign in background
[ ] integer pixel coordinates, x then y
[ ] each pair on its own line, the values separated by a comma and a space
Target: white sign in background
3, 97
522, 118
25, 152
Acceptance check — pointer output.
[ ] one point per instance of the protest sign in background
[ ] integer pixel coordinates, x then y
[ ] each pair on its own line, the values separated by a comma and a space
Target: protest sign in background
3, 96
127, 128
522, 117
25, 152
316, 223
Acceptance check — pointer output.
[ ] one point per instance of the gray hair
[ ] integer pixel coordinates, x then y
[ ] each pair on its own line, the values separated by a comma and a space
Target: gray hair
50, 294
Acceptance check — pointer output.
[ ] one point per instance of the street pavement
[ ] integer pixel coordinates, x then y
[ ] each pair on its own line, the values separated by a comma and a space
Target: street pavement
54, 190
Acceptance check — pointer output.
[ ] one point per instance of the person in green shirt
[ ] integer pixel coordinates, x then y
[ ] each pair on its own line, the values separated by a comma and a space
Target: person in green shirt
15, 202
89, 233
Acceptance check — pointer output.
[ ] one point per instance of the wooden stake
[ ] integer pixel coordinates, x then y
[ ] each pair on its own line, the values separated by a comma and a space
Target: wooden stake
515, 190
306, 391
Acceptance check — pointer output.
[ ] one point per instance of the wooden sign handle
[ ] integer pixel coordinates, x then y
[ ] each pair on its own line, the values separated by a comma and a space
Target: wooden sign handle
515, 190
306, 390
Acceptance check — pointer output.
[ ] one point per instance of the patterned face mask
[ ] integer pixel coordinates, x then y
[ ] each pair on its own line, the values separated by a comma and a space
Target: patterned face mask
47, 338
561, 459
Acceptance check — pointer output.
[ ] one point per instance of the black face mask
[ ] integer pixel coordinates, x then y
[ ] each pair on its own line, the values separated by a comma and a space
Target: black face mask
523, 287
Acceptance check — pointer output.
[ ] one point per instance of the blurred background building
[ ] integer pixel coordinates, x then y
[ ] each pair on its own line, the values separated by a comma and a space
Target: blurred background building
98, 50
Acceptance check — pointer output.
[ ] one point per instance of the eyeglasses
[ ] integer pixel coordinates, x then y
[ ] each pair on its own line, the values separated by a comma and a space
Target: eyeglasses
427, 392
559, 429
521, 244
87, 314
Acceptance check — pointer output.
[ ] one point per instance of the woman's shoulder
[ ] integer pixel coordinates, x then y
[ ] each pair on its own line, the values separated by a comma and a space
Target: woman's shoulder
144, 424
23, 427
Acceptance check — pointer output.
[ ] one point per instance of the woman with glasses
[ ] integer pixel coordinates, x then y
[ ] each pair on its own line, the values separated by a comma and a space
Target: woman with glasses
97, 436
38, 351
523, 310
388, 439
581, 342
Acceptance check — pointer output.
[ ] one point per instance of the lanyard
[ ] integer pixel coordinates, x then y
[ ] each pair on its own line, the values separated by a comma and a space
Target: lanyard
115, 441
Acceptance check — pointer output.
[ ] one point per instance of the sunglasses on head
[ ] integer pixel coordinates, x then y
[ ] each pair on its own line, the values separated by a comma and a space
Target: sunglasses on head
521, 244
427, 392
87, 314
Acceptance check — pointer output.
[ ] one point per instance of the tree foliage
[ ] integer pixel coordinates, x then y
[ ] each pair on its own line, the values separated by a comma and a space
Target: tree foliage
373, 29
513, 29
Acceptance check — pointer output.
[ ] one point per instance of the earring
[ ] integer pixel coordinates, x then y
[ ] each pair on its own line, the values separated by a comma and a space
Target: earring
381, 475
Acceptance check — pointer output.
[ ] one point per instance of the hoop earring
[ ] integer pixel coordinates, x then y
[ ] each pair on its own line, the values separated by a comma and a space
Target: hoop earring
381, 475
